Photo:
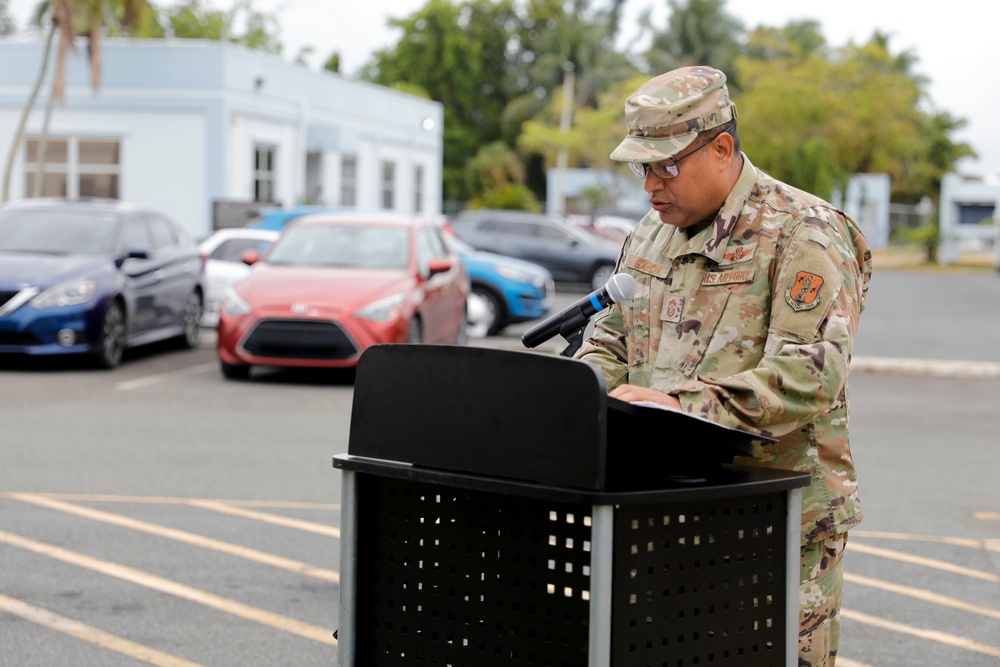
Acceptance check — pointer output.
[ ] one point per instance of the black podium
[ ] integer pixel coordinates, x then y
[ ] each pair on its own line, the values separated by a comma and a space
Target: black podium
500, 509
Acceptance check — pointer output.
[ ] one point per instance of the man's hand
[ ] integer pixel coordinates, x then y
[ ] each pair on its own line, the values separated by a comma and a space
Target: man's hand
633, 393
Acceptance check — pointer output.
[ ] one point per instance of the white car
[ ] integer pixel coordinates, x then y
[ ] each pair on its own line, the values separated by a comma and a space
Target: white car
223, 252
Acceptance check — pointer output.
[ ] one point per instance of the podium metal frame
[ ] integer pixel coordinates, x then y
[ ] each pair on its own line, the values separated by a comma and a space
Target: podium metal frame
455, 564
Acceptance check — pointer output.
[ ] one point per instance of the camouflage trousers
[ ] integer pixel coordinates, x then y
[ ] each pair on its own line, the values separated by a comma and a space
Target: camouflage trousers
821, 593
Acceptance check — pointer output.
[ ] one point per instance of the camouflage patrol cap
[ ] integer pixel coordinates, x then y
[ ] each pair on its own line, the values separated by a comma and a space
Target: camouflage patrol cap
667, 112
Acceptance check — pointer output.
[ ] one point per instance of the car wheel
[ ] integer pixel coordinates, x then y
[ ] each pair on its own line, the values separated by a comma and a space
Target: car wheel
192, 321
601, 275
495, 309
111, 345
415, 332
235, 371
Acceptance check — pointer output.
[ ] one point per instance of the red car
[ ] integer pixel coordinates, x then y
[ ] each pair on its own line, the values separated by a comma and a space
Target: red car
334, 284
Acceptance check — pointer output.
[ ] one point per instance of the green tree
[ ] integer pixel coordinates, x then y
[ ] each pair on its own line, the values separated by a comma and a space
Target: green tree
242, 24
332, 63
66, 20
796, 41
594, 134
7, 25
457, 54
815, 120
561, 47
496, 177
698, 32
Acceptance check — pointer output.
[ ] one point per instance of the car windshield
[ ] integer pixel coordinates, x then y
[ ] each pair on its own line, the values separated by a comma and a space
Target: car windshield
58, 232
357, 246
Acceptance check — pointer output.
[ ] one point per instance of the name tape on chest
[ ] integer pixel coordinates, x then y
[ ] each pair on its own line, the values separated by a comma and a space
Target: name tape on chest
729, 277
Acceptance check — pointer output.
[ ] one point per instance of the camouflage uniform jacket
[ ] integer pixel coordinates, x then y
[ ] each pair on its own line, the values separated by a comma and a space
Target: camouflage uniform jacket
750, 323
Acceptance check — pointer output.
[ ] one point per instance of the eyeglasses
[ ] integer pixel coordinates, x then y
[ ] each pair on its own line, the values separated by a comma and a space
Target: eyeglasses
664, 169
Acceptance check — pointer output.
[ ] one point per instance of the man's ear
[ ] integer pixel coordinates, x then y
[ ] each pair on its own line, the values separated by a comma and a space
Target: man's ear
723, 146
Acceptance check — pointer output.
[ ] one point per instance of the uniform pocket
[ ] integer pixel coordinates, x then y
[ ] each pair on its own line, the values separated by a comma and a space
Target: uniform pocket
683, 343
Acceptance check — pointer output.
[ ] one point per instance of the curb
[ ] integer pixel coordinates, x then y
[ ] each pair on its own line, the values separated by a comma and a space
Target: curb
944, 368
927, 367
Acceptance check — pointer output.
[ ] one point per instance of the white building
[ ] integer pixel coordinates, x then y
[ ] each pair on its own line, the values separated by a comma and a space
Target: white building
968, 218
208, 131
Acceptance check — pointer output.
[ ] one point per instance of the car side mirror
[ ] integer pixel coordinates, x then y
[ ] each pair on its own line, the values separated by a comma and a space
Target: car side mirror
439, 265
250, 257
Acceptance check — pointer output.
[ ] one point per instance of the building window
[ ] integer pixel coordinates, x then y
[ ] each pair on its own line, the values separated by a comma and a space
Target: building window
348, 180
975, 214
388, 184
263, 173
418, 189
73, 167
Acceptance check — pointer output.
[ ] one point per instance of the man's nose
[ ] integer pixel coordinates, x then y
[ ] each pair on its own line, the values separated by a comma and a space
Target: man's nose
651, 183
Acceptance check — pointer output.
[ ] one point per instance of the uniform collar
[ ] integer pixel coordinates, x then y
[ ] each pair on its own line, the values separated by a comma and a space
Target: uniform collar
712, 241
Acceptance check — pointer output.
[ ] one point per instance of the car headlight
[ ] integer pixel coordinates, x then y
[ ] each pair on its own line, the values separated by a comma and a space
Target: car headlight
234, 305
516, 275
69, 293
382, 310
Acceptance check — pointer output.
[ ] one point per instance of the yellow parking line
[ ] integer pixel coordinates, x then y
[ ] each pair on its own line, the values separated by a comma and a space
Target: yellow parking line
845, 662
970, 542
921, 594
145, 381
922, 633
308, 526
167, 500
181, 536
163, 585
925, 562
986, 516
90, 634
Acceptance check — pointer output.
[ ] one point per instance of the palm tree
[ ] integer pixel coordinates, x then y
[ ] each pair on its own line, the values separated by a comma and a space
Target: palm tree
70, 18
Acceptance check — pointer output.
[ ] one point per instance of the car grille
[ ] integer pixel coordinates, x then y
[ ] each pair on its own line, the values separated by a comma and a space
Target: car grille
299, 339
19, 338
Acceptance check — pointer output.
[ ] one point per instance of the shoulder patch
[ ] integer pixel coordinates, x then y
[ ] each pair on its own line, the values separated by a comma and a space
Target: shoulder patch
805, 289
804, 293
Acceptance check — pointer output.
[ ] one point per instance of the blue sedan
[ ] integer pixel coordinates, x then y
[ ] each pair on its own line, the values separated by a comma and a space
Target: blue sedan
95, 277
512, 290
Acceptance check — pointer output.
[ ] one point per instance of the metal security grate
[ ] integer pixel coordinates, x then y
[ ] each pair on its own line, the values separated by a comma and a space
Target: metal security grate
454, 577
471, 578
700, 583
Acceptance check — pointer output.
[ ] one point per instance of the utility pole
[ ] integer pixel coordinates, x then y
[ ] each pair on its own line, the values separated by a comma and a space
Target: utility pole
565, 123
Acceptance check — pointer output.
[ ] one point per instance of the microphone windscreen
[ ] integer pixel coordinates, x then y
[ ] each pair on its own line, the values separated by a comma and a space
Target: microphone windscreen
621, 287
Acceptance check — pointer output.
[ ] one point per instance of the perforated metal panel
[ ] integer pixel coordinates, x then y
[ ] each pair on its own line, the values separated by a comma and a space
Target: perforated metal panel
458, 577
700, 583
467, 578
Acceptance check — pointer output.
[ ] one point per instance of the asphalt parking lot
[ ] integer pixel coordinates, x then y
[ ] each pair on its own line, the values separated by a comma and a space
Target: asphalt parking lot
158, 514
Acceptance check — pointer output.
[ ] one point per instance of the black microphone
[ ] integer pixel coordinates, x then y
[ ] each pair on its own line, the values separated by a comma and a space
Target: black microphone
621, 287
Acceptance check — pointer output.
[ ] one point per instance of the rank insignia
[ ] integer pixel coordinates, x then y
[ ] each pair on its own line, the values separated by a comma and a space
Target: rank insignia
804, 293
673, 304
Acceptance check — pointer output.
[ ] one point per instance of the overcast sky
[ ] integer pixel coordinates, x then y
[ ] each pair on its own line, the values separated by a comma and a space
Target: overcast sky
956, 43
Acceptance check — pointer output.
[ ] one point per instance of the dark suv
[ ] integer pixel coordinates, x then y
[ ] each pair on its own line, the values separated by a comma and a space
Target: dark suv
570, 254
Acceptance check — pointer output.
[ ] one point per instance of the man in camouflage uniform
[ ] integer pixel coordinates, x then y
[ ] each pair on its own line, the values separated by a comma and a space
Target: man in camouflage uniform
748, 299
